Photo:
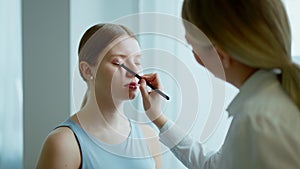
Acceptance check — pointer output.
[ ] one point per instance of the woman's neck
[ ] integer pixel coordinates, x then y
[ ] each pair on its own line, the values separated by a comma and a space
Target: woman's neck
238, 73
102, 112
104, 119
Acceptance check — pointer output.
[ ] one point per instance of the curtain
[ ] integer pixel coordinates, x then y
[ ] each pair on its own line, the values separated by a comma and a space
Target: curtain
11, 126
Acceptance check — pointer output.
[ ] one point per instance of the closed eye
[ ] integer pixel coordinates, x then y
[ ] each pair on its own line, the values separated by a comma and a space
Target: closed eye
137, 60
117, 61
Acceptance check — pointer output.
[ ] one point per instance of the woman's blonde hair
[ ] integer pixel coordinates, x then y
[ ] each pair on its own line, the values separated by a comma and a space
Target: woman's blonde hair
106, 34
255, 32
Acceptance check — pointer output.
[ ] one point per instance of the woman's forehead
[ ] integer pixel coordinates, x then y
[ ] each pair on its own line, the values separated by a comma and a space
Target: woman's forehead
126, 47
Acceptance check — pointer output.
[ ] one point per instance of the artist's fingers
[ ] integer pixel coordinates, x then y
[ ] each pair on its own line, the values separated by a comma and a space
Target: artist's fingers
153, 79
148, 77
156, 81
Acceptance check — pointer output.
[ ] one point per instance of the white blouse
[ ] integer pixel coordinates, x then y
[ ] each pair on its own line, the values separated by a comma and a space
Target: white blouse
264, 133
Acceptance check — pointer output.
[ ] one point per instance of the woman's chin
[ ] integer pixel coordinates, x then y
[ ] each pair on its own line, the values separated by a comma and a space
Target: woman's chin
132, 95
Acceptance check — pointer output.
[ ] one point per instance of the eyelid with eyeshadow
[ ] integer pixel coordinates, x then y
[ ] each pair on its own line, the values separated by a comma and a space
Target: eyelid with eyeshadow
138, 63
117, 61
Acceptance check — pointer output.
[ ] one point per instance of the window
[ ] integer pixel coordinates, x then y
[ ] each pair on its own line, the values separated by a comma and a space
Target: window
11, 114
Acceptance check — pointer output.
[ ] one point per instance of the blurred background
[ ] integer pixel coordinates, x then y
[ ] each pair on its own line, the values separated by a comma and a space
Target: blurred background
40, 86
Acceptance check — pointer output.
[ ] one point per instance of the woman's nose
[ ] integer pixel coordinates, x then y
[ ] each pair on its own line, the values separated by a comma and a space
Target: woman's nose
132, 67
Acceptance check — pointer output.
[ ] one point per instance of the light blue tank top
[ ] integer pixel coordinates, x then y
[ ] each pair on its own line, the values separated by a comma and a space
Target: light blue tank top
132, 153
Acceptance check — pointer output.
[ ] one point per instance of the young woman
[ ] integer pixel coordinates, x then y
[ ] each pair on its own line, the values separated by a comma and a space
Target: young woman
253, 42
100, 135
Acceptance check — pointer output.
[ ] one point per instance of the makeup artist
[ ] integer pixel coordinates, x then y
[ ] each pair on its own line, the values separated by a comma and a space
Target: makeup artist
253, 42
99, 135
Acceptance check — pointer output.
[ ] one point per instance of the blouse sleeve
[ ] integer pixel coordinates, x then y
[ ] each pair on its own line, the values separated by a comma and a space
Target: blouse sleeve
263, 142
186, 149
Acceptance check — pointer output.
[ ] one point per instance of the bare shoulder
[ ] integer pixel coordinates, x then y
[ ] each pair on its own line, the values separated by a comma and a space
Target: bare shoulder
153, 142
62, 140
60, 150
148, 130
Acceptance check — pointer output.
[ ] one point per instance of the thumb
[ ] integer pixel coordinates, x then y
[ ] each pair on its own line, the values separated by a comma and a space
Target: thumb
145, 94
143, 89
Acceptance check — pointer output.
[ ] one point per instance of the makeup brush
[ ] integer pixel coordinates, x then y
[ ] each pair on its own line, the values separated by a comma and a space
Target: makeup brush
150, 85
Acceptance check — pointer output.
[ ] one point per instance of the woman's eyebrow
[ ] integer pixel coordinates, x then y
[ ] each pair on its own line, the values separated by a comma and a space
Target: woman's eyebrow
124, 55
138, 56
116, 54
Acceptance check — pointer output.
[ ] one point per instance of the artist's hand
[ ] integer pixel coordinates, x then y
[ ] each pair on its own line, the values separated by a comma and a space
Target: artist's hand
152, 100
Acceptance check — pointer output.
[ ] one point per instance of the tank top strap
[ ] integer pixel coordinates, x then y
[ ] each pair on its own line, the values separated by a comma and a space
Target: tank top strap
76, 129
134, 152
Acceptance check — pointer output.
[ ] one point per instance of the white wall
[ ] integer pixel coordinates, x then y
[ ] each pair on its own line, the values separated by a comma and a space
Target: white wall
293, 11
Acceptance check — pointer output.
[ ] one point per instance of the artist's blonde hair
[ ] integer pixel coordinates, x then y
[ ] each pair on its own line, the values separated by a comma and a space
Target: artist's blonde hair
255, 32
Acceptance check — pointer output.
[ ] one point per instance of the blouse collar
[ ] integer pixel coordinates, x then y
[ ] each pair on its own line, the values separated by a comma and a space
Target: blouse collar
258, 81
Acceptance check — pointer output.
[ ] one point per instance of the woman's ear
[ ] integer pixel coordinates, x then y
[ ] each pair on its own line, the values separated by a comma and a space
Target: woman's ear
224, 57
86, 70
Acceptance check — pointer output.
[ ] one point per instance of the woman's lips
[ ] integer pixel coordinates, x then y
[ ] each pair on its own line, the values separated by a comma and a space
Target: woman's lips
132, 85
